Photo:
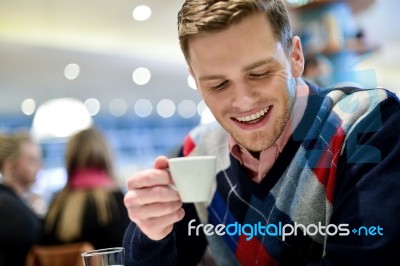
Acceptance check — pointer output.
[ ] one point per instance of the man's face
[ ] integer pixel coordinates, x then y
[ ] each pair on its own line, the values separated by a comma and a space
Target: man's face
28, 163
246, 79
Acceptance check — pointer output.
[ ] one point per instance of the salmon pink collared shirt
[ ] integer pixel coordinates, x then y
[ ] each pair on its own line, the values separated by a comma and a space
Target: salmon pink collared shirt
258, 168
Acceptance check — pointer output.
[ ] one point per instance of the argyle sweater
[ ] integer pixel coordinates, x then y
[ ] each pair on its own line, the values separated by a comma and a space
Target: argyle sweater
340, 171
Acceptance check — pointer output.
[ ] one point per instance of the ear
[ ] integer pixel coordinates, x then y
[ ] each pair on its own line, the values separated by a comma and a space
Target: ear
296, 58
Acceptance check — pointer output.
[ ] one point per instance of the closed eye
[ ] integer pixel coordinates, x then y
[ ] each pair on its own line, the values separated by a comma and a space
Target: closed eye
220, 86
259, 75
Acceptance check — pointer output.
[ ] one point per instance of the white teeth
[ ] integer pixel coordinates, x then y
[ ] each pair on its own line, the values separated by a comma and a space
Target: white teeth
252, 117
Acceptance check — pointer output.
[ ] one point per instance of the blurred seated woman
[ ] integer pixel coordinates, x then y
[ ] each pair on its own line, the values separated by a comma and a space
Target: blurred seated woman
20, 228
90, 206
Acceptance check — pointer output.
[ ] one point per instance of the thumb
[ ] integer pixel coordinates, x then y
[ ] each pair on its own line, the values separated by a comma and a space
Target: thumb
161, 162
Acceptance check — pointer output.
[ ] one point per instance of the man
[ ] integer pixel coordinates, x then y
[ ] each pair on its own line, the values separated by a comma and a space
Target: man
304, 176
20, 228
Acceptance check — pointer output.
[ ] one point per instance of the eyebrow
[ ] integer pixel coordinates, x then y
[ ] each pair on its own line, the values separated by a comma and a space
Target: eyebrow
245, 69
257, 64
211, 77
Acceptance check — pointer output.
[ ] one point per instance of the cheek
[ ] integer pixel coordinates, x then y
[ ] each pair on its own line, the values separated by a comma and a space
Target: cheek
204, 93
213, 100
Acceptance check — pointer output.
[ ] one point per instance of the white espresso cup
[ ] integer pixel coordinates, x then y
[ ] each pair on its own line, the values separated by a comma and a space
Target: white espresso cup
193, 177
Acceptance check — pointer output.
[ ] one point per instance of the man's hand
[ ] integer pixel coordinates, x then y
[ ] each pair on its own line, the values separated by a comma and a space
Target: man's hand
152, 204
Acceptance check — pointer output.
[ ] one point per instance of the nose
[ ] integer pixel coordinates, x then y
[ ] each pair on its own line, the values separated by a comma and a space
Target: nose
243, 96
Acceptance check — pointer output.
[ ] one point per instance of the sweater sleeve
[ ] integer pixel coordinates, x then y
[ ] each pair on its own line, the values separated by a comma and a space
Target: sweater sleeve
141, 250
178, 248
367, 192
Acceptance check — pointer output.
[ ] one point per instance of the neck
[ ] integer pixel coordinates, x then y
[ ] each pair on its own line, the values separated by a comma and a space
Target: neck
15, 186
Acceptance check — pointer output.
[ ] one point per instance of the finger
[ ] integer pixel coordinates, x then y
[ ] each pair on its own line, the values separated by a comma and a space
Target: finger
160, 227
148, 178
151, 195
161, 162
154, 210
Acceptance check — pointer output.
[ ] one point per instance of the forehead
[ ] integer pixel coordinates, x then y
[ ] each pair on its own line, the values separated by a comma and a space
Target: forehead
253, 24
29, 148
241, 43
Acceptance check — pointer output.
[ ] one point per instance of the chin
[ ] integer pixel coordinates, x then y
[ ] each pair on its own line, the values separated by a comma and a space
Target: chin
256, 142
258, 147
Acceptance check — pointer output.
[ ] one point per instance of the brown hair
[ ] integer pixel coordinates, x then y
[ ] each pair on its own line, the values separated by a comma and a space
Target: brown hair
206, 16
88, 149
10, 146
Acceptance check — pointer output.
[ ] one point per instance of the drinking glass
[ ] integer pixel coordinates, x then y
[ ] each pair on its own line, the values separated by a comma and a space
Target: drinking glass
104, 257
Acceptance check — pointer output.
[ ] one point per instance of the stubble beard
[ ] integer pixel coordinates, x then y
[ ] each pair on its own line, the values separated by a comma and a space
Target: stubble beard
262, 140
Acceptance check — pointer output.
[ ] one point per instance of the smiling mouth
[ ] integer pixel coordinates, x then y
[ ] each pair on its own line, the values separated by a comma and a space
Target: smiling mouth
253, 118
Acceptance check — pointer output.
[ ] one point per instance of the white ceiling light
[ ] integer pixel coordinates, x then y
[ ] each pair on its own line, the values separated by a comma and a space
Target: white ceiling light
187, 108
93, 106
59, 118
141, 76
28, 106
143, 108
166, 108
71, 71
118, 107
141, 13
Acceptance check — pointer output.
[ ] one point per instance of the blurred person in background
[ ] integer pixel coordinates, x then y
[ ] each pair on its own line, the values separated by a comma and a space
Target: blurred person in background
20, 227
90, 206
